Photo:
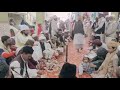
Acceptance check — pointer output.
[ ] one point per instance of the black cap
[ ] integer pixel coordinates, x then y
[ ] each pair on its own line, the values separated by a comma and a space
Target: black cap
68, 71
28, 50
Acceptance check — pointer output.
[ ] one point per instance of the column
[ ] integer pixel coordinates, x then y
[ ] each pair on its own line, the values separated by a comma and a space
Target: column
40, 17
4, 24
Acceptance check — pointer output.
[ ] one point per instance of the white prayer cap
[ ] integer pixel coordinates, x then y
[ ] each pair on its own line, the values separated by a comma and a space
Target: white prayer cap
34, 35
24, 27
42, 37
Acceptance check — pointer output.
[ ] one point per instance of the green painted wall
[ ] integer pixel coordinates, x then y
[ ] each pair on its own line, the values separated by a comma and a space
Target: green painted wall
40, 17
3, 16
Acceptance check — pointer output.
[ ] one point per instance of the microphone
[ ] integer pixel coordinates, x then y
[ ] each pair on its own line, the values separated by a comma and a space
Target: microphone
13, 68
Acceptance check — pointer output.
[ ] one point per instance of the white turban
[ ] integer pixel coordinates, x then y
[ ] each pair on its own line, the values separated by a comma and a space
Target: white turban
24, 27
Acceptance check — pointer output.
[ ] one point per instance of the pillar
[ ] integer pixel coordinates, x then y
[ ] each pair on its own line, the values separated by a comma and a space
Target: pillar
4, 24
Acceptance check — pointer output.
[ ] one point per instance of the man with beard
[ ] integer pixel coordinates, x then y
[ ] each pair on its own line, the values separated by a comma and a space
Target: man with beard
22, 37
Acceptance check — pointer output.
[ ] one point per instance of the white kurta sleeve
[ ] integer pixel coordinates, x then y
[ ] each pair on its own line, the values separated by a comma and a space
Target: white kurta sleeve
21, 39
37, 54
16, 64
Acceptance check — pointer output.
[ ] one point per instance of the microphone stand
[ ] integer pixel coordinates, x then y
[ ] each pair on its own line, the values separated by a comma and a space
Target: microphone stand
66, 53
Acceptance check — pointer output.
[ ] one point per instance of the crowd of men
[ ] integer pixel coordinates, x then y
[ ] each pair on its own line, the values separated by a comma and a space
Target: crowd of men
26, 54
103, 57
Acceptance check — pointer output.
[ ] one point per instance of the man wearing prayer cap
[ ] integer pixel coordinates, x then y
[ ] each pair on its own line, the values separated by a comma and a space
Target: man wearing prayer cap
22, 36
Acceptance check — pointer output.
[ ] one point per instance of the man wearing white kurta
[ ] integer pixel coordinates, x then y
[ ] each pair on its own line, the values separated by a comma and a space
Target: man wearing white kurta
37, 54
22, 37
48, 51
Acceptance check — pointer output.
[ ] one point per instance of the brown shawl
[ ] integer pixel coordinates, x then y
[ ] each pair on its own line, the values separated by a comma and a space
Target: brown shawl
105, 65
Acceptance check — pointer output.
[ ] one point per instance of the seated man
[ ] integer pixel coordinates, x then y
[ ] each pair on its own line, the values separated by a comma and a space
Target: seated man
60, 41
67, 35
47, 51
20, 67
32, 63
101, 53
5, 49
37, 55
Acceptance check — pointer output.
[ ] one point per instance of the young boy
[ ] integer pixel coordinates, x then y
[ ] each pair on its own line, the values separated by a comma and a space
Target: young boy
86, 66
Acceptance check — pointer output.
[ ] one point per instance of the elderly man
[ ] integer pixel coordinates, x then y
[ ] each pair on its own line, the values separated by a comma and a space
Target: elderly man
22, 36
111, 29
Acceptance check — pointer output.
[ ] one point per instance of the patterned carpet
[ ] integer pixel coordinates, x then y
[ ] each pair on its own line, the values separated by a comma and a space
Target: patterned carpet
73, 57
